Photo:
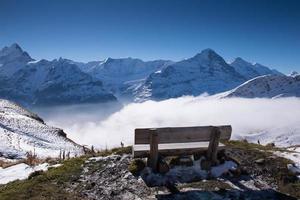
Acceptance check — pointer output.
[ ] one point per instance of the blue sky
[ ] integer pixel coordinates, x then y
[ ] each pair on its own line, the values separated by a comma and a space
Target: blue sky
261, 31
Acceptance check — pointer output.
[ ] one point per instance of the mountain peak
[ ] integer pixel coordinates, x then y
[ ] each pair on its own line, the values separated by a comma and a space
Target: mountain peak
108, 60
207, 54
12, 49
208, 50
14, 52
240, 60
258, 65
16, 46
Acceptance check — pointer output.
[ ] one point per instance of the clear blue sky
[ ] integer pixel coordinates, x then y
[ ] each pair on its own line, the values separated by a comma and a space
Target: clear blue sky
261, 31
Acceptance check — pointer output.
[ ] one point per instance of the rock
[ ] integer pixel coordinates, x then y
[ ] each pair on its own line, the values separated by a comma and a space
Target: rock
233, 156
272, 157
111, 180
260, 161
272, 144
244, 170
163, 166
293, 169
185, 161
136, 166
222, 156
235, 172
199, 154
182, 161
205, 165
288, 178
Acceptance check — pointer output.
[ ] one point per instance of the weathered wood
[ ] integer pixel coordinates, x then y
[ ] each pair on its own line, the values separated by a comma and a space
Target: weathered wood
181, 134
175, 149
213, 146
177, 141
153, 158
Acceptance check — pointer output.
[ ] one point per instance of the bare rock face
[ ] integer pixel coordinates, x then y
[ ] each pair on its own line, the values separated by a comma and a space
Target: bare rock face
108, 178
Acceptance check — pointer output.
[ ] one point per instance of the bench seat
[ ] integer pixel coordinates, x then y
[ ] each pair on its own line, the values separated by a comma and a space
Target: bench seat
172, 149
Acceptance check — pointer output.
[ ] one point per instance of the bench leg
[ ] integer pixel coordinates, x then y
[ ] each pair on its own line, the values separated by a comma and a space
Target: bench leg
213, 146
153, 159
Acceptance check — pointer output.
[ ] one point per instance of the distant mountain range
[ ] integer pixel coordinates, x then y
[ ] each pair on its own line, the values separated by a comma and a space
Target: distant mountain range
206, 72
62, 81
46, 82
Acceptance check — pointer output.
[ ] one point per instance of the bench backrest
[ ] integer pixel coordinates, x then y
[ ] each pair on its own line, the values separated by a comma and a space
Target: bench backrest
181, 134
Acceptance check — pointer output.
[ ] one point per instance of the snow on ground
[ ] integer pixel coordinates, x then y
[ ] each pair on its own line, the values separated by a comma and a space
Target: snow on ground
20, 171
293, 154
182, 174
22, 131
221, 169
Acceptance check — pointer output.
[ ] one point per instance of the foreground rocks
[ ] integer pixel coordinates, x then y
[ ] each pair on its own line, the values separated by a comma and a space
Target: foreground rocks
109, 178
94, 177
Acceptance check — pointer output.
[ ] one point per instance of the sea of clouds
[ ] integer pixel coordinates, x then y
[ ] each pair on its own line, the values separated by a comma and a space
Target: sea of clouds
104, 125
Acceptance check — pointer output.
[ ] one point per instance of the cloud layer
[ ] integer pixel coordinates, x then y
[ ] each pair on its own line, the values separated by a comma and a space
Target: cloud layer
268, 120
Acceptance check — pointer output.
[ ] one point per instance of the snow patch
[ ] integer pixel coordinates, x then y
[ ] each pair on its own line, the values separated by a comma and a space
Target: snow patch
293, 154
20, 171
223, 168
184, 174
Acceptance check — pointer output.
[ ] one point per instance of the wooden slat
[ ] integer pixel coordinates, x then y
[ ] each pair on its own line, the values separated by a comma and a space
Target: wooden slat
181, 134
174, 149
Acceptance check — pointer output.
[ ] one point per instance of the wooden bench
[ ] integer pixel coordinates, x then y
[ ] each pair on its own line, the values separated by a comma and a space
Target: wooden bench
177, 141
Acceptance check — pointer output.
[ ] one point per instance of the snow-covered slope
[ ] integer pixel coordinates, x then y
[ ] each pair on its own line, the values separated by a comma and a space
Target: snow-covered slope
120, 74
53, 82
12, 59
268, 86
22, 131
249, 70
206, 72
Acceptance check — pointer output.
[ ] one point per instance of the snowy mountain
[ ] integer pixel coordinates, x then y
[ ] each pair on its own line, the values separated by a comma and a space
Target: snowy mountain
63, 81
249, 70
120, 74
22, 131
53, 82
206, 72
268, 86
12, 59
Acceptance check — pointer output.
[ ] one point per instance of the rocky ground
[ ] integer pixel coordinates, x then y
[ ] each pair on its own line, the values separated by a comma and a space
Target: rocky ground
258, 175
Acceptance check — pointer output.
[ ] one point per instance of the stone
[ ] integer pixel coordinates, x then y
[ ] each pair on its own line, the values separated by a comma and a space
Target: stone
136, 166
205, 165
163, 166
185, 161
272, 144
260, 161
181, 161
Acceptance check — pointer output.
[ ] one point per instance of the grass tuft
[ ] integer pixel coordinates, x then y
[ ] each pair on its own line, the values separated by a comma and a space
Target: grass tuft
47, 185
